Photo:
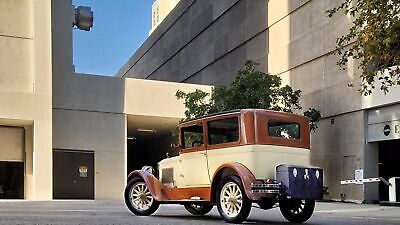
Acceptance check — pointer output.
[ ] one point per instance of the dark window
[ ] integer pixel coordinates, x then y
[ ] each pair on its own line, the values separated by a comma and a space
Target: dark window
11, 180
288, 130
223, 131
192, 136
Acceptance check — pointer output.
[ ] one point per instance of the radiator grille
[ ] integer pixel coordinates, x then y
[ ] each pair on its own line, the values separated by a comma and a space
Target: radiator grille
167, 176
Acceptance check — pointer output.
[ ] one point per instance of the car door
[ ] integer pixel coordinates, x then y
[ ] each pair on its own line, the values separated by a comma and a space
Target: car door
193, 157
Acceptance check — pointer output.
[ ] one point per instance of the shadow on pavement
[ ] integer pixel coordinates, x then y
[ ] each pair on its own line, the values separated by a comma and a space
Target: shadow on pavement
218, 218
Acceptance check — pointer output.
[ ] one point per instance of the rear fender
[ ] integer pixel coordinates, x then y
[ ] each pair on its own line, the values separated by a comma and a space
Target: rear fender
154, 185
245, 175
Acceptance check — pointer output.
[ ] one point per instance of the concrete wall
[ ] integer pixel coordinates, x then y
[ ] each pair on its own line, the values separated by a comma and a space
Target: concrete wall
301, 39
25, 86
88, 115
203, 42
88, 111
155, 98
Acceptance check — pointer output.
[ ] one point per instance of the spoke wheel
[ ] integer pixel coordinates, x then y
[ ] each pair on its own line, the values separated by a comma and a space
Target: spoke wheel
295, 210
139, 199
232, 202
198, 209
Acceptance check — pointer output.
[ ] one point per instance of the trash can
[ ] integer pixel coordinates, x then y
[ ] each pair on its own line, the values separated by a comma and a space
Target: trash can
394, 189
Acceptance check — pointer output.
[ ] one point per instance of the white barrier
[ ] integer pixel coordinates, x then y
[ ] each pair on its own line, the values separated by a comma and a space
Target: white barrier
361, 181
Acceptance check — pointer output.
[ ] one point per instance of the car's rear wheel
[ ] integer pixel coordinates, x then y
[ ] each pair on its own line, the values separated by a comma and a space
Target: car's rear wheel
232, 202
297, 211
139, 199
198, 209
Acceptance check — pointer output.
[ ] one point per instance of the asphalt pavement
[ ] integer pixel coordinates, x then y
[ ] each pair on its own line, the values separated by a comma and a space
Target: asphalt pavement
115, 213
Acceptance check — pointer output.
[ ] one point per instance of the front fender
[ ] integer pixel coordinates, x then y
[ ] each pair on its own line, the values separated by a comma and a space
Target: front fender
154, 185
245, 175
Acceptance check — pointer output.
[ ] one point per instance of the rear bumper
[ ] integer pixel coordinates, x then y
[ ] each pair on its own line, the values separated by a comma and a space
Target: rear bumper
265, 188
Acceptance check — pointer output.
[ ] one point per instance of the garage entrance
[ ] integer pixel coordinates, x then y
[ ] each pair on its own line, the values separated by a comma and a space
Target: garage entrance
11, 180
389, 166
149, 140
73, 174
12, 157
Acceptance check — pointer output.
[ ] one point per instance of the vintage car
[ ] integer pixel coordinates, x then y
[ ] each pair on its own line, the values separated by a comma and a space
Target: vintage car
231, 160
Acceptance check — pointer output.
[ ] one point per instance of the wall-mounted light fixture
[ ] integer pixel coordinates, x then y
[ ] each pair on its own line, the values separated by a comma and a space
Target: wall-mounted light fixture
83, 17
147, 130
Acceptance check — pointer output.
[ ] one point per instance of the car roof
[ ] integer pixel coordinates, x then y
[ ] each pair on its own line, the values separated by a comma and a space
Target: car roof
235, 111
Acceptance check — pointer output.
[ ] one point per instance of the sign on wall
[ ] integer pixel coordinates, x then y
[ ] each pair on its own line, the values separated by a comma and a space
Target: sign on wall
384, 131
83, 171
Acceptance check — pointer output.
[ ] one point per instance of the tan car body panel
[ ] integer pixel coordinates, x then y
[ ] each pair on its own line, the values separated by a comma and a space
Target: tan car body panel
261, 160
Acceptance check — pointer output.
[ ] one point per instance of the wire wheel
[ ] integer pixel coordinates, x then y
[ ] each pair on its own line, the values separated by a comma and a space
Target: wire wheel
296, 210
139, 199
231, 199
140, 196
232, 202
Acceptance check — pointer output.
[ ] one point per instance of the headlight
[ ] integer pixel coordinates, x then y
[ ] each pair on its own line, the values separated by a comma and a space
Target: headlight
149, 169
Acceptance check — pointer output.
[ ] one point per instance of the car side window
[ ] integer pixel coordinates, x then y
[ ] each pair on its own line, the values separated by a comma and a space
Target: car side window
192, 136
223, 131
287, 130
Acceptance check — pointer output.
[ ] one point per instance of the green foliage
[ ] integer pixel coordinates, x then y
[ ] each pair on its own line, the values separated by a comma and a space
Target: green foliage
314, 116
250, 89
373, 39
195, 103
255, 89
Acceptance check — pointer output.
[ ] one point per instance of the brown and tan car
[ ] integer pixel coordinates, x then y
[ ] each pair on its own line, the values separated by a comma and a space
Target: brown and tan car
231, 160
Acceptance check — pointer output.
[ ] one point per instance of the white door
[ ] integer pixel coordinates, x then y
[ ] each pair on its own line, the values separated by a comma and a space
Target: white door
193, 158
194, 170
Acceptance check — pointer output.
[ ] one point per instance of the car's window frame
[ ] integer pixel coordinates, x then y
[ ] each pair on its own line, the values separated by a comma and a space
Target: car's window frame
190, 148
223, 145
284, 121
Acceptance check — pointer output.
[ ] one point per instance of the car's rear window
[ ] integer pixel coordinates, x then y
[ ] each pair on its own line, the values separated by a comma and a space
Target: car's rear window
283, 129
223, 131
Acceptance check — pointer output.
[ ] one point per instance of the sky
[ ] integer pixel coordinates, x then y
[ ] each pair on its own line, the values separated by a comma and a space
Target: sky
119, 28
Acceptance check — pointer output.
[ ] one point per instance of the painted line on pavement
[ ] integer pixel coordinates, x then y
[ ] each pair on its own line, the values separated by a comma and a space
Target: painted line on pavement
348, 210
375, 218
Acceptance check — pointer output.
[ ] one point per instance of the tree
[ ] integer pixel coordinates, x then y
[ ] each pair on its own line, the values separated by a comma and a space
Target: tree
250, 89
373, 39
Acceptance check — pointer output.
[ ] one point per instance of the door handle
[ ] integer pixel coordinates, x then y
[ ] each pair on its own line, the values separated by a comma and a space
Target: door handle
203, 153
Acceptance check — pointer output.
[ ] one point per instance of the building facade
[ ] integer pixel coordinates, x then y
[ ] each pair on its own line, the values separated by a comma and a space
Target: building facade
72, 136
159, 10
65, 135
207, 42
25, 99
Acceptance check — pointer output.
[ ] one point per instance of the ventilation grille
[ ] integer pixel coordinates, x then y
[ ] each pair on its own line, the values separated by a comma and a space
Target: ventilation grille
167, 176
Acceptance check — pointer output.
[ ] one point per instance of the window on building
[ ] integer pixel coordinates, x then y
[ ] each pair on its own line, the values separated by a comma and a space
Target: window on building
223, 131
288, 130
192, 136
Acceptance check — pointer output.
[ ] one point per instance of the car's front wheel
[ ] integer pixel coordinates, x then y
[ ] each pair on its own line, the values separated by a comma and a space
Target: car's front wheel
139, 199
297, 211
232, 202
198, 209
